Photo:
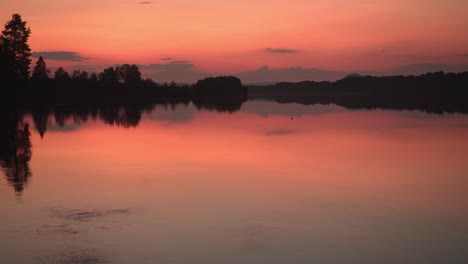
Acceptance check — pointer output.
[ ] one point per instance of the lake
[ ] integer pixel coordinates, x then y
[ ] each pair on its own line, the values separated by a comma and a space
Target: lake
270, 183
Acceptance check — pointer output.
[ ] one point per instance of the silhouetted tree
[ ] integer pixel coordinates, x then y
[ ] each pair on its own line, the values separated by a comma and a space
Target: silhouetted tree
76, 74
149, 81
7, 59
15, 48
222, 86
61, 74
84, 75
223, 93
109, 75
40, 71
129, 73
80, 75
93, 77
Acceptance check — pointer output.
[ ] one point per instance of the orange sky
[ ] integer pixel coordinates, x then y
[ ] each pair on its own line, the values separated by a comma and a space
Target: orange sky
230, 37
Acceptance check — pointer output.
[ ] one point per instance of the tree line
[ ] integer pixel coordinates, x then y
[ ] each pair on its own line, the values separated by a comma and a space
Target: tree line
15, 60
113, 84
436, 92
126, 73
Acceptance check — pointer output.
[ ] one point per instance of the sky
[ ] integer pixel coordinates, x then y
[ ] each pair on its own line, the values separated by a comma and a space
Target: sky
260, 40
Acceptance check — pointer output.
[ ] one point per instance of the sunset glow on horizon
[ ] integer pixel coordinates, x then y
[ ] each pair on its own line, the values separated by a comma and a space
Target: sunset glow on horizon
188, 39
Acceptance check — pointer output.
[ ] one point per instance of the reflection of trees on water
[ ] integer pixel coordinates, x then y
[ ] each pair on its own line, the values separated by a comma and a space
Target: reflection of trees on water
129, 116
15, 142
15, 151
40, 121
122, 115
215, 104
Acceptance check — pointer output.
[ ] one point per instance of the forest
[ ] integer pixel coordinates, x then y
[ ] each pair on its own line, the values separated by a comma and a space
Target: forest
117, 85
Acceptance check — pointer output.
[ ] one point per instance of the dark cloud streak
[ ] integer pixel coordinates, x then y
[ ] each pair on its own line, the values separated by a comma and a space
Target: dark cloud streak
179, 71
59, 55
173, 65
181, 62
281, 50
407, 56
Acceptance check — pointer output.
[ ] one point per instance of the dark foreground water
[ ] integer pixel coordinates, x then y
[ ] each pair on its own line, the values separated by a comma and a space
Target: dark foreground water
271, 183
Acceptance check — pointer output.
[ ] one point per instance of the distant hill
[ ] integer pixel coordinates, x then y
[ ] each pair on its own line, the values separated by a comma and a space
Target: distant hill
432, 92
266, 75
354, 75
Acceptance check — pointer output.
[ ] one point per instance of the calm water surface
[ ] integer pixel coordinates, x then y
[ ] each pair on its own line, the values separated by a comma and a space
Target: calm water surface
271, 183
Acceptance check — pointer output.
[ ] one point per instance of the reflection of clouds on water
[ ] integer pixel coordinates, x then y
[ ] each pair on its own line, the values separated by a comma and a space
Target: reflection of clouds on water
76, 226
86, 256
279, 132
260, 234
255, 238
268, 108
74, 234
75, 255
76, 222
58, 230
86, 215
172, 114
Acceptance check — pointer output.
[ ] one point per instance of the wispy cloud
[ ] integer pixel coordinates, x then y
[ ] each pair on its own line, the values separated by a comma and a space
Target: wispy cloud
407, 56
59, 55
145, 2
180, 71
462, 55
167, 59
171, 66
180, 62
272, 50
